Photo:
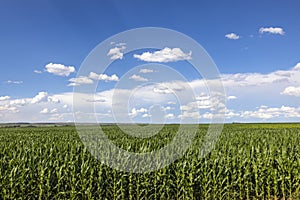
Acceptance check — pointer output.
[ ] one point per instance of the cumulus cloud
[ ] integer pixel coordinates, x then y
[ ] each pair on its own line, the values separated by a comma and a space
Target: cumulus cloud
280, 77
145, 71
57, 117
231, 97
18, 102
165, 108
171, 103
14, 82
138, 78
29, 109
4, 98
117, 52
44, 111
170, 87
96, 100
227, 114
213, 106
59, 69
232, 36
53, 99
170, 116
118, 44
134, 112
272, 30
262, 113
249, 87
40, 97
81, 80
8, 109
291, 91
54, 110
164, 55
189, 115
193, 106
265, 112
103, 77
258, 79
37, 71
146, 115
297, 67
211, 102
162, 90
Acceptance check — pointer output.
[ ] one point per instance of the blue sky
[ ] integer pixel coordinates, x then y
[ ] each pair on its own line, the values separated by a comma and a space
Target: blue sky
262, 46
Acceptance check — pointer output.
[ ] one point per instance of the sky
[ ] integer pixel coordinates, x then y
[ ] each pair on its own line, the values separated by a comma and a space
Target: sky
44, 44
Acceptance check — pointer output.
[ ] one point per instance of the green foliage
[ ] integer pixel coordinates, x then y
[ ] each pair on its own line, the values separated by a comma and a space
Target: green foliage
254, 161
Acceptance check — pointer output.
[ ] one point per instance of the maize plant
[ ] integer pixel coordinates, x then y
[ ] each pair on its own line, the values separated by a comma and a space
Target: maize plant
249, 161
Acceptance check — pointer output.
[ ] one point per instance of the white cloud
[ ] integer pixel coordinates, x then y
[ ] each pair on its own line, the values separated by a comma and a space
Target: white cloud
232, 36
250, 88
37, 71
265, 112
138, 78
40, 97
117, 52
274, 80
272, 30
18, 102
207, 115
54, 110
57, 117
171, 103
81, 80
59, 69
29, 109
96, 100
170, 87
145, 71
170, 116
164, 55
103, 77
134, 112
227, 114
44, 111
8, 109
189, 115
212, 104
53, 99
195, 105
4, 98
189, 107
297, 66
165, 108
257, 79
231, 97
47, 111
121, 44
146, 115
231, 114
14, 82
291, 91
162, 90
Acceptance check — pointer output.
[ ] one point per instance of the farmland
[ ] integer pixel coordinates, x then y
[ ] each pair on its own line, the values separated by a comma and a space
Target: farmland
249, 161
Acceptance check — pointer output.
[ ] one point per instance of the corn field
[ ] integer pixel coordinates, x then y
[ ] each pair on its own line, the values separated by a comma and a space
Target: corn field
249, 161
